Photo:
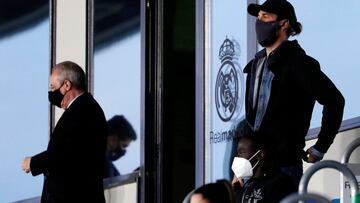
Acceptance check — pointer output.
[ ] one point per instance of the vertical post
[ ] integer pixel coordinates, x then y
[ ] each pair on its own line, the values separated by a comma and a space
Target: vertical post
158, 68
144, 60
89, 57
70, 37
52, 57
71, 33
151, 151
200, 93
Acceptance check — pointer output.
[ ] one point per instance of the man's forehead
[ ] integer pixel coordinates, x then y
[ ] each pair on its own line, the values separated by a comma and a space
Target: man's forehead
53, 79
246, 143
54, 70
266, 12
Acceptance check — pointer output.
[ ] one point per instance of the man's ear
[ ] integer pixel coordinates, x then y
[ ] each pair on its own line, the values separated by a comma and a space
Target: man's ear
284, 24
68, 85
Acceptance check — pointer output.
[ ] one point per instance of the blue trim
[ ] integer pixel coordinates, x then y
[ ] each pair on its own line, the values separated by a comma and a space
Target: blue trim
200, 94
346, 125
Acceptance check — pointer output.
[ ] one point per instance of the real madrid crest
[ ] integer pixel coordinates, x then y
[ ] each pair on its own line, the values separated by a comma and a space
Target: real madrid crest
229, 88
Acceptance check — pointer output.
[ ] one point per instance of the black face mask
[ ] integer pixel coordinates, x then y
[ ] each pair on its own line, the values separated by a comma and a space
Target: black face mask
266, 32
55, 97
116, 154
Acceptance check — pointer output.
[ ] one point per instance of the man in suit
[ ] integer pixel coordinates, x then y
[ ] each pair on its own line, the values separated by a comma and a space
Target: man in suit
73, 161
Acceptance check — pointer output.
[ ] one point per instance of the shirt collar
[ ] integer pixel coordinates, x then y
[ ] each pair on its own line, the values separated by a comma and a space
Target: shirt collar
74, 100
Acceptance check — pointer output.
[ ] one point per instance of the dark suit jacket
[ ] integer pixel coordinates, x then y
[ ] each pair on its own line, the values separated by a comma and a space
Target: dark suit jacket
74, 160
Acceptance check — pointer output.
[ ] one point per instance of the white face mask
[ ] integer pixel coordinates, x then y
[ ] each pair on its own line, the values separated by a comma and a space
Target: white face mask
242, 168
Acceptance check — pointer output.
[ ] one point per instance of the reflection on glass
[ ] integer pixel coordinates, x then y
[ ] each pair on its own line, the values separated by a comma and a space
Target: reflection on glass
120, 135
24, 68
117, 79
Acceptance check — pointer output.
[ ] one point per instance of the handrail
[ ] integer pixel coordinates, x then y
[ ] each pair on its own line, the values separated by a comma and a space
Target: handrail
30, 200
295, 197
329, 164
121, 180
349, 150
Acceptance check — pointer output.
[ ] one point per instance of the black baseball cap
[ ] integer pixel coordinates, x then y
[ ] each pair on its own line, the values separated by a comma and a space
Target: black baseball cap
282, 8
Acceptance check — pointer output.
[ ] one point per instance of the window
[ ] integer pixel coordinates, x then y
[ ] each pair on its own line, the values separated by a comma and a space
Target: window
24, 67
225, 82
117, 68
331, 37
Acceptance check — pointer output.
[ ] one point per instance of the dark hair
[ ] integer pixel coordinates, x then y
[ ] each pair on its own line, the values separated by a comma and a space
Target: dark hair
255, 143
71, 71
119, 126
294, 29
219, 192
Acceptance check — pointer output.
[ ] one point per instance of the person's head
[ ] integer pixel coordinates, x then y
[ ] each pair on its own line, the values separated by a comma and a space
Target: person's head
249, 158
247, 147
67, 80
120, 135
219, 192
276, 20
260, 159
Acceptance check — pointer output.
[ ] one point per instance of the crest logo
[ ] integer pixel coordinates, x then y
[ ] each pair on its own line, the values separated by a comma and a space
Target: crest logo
229, 86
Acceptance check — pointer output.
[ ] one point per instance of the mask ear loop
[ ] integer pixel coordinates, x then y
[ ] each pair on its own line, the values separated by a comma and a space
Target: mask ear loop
256, 164
255, 154
253, 157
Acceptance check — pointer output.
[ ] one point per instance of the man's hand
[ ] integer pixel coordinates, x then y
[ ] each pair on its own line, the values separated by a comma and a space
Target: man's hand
235, 180
311, 157
26, 164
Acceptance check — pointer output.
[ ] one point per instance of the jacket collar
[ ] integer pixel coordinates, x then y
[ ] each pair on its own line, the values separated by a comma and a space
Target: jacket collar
285, 49
78, 100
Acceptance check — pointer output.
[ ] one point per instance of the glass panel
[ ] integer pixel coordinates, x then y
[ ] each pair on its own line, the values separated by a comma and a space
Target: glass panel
227, 57
24, 67
331, 41
117, 69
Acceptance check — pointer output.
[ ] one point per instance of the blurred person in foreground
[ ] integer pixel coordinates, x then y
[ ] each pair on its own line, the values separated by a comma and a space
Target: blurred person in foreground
72, 164
219, 192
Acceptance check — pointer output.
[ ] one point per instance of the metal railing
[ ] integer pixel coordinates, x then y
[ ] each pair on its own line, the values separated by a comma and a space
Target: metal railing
349, 150
345, 160
329, 164
306, 196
